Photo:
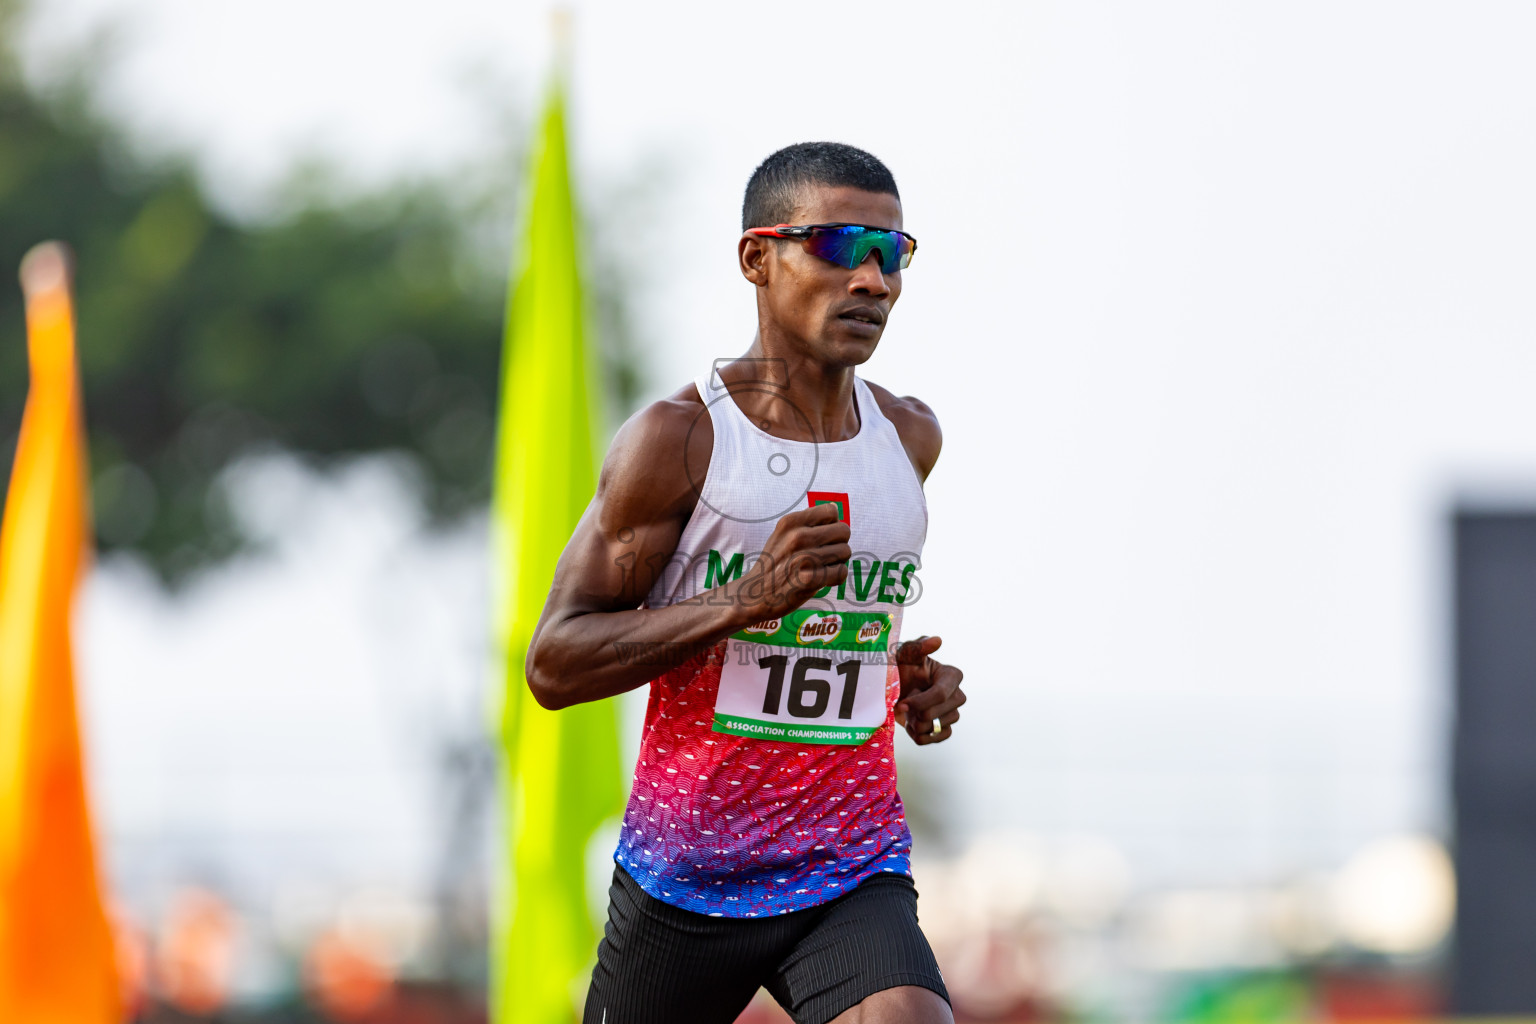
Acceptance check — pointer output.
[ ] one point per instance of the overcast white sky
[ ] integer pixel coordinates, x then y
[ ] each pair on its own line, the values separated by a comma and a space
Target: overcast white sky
1217, 303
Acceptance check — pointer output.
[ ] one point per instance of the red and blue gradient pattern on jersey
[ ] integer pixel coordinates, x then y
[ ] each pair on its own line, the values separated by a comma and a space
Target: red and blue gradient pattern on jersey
736, 826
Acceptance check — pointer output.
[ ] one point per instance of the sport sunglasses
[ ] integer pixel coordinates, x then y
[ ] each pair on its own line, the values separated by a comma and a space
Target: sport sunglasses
848, 245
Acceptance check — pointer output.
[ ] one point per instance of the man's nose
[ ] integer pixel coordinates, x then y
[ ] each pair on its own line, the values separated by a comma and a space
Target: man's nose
867, 278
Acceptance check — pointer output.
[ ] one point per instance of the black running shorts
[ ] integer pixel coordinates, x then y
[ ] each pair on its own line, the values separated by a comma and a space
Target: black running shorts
658, 964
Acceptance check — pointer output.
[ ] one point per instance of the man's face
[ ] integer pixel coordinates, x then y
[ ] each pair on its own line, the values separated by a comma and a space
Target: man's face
836, 314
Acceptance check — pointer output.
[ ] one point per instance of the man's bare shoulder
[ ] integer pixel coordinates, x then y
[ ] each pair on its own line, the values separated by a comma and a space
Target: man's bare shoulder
655, 459
665, 421
916, 425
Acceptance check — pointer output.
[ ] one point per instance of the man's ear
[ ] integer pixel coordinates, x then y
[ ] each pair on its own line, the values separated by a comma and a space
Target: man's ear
754, 256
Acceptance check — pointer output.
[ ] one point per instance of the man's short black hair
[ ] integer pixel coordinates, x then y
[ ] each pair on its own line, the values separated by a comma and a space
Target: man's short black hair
775, 186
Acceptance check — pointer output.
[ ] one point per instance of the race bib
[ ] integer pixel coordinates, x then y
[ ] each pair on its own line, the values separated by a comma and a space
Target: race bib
810, 677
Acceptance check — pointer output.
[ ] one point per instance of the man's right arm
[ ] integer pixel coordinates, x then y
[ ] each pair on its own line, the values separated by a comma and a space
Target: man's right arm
593, 640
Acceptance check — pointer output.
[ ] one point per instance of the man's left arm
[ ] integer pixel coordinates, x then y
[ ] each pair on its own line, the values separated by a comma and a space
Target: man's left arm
929, 705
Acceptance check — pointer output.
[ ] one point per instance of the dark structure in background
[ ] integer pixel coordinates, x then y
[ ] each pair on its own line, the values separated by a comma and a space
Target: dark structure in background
1494, 774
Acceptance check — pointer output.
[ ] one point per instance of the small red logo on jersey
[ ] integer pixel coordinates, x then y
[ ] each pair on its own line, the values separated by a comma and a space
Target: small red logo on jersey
837, 498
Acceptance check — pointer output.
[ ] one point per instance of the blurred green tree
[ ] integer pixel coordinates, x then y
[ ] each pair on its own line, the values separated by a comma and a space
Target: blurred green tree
342, 326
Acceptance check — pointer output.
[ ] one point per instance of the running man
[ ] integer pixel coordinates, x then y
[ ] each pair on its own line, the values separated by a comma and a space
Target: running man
750, 549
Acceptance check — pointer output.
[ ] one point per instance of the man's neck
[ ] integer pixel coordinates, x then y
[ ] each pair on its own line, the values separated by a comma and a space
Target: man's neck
790, 395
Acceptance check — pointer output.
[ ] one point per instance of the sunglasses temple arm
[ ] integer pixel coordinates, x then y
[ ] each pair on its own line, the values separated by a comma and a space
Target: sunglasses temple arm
780, 231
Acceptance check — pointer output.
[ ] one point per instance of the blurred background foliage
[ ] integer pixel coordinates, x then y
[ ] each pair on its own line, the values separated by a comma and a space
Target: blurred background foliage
344, 323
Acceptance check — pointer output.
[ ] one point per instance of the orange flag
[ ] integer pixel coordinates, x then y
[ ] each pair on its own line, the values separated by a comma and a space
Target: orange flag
56, 953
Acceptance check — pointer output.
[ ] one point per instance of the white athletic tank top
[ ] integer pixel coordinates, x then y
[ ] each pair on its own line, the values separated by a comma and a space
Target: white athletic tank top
755, 479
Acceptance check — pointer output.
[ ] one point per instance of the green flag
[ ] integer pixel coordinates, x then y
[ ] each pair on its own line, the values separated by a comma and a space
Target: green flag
560, 774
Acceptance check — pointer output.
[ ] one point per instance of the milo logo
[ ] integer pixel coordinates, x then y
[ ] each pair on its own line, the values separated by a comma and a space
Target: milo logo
766, 626
870, 631
820, 629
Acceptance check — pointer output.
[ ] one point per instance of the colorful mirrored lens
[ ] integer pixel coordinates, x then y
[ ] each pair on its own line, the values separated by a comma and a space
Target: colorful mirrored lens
851, 245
